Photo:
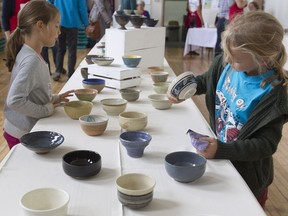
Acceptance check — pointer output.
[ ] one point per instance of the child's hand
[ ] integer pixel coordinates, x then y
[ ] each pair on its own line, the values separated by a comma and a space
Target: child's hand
173, 99
211, 149
65, 95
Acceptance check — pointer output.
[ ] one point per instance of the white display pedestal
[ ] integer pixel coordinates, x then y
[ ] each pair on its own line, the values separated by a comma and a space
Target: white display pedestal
147, 42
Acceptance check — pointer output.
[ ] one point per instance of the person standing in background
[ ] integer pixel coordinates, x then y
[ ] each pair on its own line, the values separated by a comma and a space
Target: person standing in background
10, 10
128, 4
74, 15
101, 12
141, 8
194, 14
221, 22
236, 7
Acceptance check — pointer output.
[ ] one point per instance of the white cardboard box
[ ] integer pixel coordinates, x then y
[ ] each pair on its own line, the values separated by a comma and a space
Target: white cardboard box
146, 41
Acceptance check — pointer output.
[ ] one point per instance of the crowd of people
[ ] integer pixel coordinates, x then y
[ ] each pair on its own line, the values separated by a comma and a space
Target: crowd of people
245, 86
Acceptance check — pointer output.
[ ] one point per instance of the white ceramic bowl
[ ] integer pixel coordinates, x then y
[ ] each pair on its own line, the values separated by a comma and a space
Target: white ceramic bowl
135, 184
114, 106
161, 87
183, 86
133, 121
45, 202
103, 61
160, 101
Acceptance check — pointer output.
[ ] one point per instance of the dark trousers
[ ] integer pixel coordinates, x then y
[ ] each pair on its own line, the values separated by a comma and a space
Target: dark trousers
220, 25
45, 54
69, 35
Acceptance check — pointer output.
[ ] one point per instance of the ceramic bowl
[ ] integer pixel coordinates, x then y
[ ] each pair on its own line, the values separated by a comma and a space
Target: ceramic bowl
127, 11
93, 125
130, 94
41, 142
135, 190
160, 101
131, 61
135, 142
45, 202
103, 61
185, 166
94, 83
137, 21
120, 12
122, 20
137, 12
159, 76
86, 94
82, 163
76, 109
151, 22
113, 106
153, 69
183, 86
133, 121
161, 87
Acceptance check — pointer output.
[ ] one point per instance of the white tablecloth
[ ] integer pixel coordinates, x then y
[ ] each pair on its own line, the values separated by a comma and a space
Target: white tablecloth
221, 191
200, 37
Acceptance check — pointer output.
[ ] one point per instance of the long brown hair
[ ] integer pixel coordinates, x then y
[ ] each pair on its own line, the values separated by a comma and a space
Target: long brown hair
260, 34
31, 13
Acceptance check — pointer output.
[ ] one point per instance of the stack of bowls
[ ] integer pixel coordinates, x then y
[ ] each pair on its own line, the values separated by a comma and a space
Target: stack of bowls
94, 83
76, 109
86, 94
185, 166
133, 121
93, 125
160, 101
113, 106
135, 190
82, 163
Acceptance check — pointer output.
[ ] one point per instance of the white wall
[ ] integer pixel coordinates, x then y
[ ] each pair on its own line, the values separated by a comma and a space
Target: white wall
278, 8
174, 10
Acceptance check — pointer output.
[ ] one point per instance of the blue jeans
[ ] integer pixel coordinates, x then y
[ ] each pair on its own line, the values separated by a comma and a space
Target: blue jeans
220, 25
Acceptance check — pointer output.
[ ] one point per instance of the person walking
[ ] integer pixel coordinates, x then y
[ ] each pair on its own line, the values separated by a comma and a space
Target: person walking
220, 23
74, 16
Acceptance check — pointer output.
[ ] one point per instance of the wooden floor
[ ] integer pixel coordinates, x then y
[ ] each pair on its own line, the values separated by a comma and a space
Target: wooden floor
278, 191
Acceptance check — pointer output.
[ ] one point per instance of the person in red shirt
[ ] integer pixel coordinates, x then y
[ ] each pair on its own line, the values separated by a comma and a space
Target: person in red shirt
10, 9
236, 8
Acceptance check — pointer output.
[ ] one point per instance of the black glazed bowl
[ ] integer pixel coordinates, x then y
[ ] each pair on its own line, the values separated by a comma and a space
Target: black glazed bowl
122, 20
42, 142
137, 21
82, 163
150, 22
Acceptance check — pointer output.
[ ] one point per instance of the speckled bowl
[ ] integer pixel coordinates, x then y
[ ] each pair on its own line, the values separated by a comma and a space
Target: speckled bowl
76, 109
113, 106
86, 94
130, 94
133, 121
159, 76
93, 125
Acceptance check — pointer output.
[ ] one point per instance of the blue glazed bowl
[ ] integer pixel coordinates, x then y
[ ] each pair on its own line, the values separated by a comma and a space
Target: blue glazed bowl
183, 86
42, 141
185, 166
135, 142
131, 60
94, 83
82, 163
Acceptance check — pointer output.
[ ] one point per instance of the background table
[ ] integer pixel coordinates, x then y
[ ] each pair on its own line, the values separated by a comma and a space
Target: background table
221, 191
200, 37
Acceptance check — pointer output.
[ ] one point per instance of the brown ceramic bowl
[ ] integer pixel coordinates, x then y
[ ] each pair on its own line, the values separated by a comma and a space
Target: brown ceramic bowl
85, 94
93, 125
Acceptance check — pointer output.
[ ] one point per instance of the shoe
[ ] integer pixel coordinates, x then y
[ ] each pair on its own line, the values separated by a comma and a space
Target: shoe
193, 53
56, 76
63, 71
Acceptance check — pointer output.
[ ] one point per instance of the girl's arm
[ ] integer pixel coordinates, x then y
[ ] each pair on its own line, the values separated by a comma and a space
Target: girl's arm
24, 83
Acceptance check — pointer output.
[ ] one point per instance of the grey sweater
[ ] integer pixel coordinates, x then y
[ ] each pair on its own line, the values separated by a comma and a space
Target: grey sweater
29, 97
